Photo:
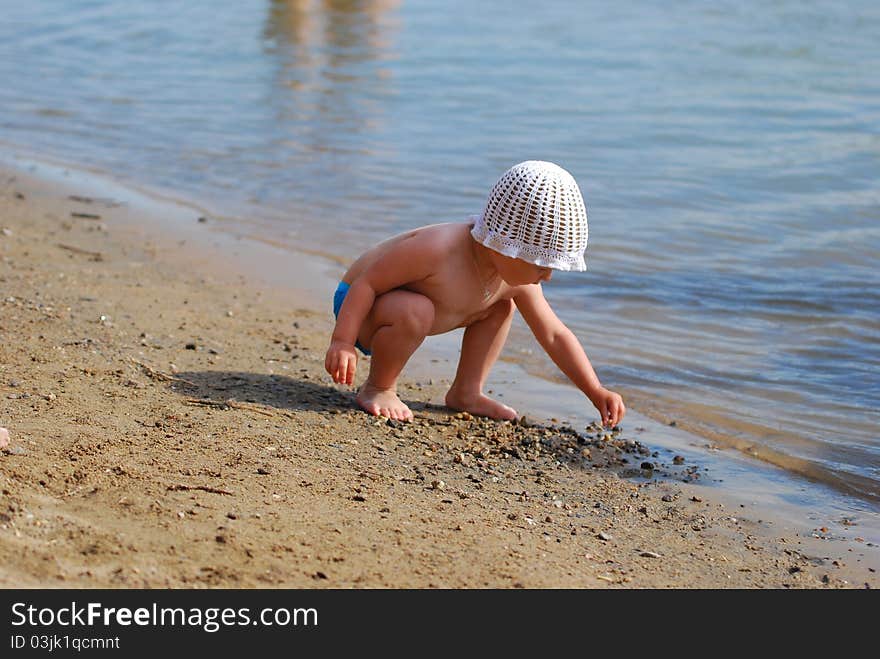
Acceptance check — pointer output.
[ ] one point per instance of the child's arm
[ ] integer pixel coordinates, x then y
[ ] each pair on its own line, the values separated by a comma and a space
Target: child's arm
566, 351
411, 259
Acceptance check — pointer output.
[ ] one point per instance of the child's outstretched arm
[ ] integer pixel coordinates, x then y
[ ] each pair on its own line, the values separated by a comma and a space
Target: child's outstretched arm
566, 351
411, 259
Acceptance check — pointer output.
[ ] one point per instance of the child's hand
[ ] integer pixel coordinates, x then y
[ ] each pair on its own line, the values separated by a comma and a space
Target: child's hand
610, 406
341, 362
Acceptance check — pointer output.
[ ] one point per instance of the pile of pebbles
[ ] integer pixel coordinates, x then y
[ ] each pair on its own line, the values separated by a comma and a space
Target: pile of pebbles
486, 444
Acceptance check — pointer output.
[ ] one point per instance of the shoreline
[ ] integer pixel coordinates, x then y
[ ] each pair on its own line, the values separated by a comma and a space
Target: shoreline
190, 270
280, 263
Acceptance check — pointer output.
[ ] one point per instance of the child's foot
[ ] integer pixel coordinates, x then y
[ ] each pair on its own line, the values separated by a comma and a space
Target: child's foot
383, 402
480, 405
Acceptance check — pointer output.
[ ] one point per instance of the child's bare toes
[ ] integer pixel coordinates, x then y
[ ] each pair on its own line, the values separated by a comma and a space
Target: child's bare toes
480, 405
383, 402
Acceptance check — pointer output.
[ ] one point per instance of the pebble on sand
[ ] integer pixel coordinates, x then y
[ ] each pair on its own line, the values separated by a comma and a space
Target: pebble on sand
4, 438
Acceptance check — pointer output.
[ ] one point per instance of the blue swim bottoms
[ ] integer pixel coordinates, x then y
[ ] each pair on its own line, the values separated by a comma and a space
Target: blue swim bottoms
338, 297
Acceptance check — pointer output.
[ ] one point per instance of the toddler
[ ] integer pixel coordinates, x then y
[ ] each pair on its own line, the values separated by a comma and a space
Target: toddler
473, 275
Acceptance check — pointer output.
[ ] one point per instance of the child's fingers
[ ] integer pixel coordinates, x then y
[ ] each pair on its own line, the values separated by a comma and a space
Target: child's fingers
333, 368
612, 412
341, 367
616, 410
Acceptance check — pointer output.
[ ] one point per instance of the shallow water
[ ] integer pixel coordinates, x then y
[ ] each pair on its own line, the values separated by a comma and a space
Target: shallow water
729, 154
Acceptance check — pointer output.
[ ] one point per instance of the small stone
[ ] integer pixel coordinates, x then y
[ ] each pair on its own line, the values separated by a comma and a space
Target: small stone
648, 465
12, 396
696, 499
667, 498
231, 515
50, 396
221, 539
358, 497
673, 424
6, 232
650, 554
604, 536
191, 346
203, 219
263, 471
438, 485
678, 459
4, 438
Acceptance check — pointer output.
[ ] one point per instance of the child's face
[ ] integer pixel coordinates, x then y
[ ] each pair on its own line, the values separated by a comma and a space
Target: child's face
517, 272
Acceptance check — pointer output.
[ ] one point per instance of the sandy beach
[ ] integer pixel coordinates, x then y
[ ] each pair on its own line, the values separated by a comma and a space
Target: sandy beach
171, 425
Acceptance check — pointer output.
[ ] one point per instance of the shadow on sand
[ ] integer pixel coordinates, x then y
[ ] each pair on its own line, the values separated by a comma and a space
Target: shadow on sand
527, 441
279, 391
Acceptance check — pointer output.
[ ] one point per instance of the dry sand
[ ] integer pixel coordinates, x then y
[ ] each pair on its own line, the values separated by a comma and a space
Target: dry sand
172, 426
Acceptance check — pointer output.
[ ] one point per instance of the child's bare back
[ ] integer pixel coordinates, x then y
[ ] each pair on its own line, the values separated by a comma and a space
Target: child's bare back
441, 262
444, 276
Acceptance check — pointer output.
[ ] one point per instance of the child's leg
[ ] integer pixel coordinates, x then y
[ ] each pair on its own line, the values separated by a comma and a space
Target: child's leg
397, 324
480, 348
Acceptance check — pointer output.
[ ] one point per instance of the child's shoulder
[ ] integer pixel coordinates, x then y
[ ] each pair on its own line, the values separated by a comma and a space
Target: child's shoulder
443, 235
432, 242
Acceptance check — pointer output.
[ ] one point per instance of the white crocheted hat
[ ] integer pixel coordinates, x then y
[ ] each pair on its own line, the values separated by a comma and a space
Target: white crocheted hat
535, 213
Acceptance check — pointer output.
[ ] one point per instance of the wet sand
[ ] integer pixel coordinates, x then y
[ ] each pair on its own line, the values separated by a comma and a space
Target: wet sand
171, 425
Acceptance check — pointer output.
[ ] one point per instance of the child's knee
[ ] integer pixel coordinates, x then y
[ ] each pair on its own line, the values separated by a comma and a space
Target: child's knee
417, 313
409, 311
